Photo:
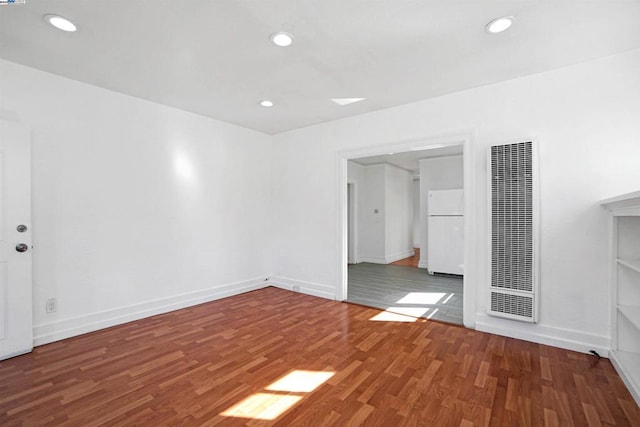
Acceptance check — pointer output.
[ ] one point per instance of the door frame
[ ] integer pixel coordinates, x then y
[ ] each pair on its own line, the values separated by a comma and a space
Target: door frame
467, 140
352, 221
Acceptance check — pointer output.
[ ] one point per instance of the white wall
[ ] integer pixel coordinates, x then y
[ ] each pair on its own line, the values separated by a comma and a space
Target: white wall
137, 207
416, 214
356, 176
399, 217
585, 118
386, 235
440, 173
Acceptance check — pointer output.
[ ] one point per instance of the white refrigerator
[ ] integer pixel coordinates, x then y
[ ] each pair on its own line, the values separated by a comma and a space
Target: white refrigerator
445, 231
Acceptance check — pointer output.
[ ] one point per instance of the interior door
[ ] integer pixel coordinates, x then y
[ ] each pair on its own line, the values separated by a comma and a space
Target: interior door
16, 317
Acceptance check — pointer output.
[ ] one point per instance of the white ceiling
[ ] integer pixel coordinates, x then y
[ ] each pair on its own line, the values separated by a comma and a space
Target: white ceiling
215, 58
409, 160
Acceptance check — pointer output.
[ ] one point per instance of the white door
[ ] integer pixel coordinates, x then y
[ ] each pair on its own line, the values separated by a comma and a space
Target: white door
16, 322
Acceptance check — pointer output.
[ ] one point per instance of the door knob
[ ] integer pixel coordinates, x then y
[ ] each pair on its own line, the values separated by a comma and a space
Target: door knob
21, 247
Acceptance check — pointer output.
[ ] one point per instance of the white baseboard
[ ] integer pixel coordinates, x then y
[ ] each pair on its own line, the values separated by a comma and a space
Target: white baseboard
548, 335
45, 333
372, 259
400, 255
309, 288
422, 264
388, 259
628, 380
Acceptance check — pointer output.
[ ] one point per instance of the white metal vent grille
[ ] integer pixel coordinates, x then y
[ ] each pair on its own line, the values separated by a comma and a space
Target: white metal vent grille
516, 305
512, 231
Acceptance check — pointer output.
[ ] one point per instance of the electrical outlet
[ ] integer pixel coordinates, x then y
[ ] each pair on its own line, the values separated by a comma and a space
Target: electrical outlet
52, 305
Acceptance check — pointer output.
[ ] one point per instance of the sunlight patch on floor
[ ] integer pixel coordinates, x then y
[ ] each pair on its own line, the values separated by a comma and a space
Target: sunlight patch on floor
300, 381
448, 298
262, 406
285, 393
421, 298
390, 316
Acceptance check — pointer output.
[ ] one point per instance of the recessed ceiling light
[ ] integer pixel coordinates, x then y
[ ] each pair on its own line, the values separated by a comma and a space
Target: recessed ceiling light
346, 101
427, 147
266, 103
282, 39
60, 23
499, 25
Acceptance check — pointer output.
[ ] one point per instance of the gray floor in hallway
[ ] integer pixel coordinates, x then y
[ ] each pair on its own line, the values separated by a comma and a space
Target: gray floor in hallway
406, 290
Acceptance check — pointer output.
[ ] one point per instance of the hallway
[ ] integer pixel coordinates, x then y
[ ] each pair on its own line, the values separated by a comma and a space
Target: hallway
412, 261
406, 290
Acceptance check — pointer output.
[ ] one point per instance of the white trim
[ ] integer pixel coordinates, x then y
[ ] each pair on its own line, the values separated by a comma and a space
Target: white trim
627, 379
373, 259
355, 256
400, 255
613, 283
17, 353
388, 259
309, 288
45, 333
467, 140
547, 335
342, 227
623, 205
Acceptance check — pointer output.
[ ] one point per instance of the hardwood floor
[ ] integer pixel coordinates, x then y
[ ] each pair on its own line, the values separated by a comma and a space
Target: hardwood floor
406, 290
273, 357
412, 261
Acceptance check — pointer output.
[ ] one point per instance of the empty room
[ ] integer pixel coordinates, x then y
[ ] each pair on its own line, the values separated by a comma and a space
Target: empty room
182, 223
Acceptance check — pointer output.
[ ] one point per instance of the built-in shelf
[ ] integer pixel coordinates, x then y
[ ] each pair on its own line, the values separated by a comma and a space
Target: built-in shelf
633, 264
625, 204
629, 363
625, 286
632, 313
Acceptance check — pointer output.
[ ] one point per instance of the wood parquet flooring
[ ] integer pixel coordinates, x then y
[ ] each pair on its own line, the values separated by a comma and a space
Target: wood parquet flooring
196, 366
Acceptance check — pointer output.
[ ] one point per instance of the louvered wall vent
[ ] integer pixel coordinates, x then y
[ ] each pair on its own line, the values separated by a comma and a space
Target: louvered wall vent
513, 232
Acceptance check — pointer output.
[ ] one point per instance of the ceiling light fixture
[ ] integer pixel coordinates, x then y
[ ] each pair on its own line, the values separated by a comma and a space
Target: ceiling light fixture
282, 39
60, 23
346, 101
499, 25
266, 103
428, 147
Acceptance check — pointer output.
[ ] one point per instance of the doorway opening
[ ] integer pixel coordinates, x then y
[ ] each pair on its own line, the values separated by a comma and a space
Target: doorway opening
404, 229
351, 223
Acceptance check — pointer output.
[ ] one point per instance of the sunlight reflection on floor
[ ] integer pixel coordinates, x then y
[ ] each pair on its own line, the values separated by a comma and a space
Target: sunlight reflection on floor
421, 298
286, 392
390, 315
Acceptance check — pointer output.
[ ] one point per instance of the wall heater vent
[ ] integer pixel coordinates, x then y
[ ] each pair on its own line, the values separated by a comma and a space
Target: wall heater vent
513, 289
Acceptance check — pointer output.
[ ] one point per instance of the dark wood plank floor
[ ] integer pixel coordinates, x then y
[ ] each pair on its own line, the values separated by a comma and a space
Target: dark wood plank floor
273, 357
